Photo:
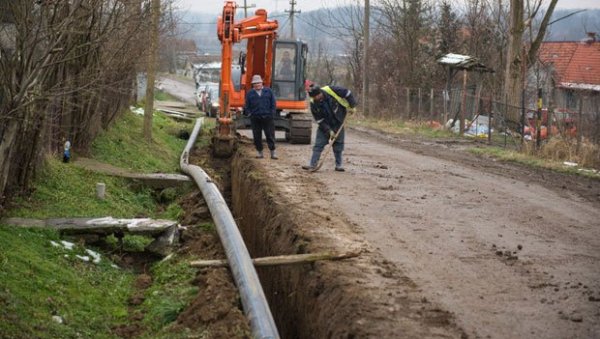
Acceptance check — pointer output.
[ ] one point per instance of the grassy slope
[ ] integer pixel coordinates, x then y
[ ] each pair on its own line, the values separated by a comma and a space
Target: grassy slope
37, 281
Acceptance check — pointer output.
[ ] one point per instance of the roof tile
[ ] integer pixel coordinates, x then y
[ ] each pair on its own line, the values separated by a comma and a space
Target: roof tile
574, 62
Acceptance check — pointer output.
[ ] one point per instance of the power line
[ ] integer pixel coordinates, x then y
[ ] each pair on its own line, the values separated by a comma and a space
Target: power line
214, 22
315, 27
287, 20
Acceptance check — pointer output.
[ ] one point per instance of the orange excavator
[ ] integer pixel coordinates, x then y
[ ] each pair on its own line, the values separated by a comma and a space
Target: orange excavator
280, 63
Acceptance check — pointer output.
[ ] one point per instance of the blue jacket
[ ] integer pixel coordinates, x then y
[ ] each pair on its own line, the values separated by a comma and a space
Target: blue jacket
329, 114
262, 105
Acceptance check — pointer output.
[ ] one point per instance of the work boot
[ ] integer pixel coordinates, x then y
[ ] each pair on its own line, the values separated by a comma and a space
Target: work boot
259, 155
307, 167
273, 155
339, 169
338, 160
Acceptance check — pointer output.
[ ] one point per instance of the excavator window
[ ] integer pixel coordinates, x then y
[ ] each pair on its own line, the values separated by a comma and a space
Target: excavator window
285, 66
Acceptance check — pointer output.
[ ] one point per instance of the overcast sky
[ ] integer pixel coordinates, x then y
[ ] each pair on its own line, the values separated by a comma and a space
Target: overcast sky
216, 6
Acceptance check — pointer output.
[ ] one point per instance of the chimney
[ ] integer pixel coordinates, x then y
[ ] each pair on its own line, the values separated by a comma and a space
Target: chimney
591, 38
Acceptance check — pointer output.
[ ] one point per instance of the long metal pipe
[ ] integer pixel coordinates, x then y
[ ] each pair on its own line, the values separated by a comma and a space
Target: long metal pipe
253, 297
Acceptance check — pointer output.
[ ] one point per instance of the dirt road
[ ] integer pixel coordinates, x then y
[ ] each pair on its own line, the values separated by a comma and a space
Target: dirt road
497, 250
508, 256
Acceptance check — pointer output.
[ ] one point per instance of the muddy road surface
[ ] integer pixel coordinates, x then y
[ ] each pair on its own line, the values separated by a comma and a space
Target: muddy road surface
506, 255
454, 245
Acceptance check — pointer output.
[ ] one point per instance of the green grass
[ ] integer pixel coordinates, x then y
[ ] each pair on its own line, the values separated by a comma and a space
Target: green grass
396, 126
63, 190
164, 96
123, 144
530, 160
37, 281
170, 293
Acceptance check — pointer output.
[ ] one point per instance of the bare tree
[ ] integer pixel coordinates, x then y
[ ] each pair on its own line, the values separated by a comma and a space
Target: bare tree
521, 55
66, 71
346, 24
409, 23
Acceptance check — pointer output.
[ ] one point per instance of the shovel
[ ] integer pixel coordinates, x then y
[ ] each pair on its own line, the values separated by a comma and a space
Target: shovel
328, 148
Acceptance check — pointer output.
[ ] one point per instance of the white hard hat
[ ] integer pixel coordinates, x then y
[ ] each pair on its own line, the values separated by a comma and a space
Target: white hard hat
256, 79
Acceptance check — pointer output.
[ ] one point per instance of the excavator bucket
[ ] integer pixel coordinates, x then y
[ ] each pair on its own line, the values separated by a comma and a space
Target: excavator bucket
223, 146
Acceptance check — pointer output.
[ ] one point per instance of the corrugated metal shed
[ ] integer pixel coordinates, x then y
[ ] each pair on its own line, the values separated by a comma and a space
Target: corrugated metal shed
463, 62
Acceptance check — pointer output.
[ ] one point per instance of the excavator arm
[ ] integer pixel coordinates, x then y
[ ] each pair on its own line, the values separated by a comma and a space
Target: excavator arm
260, 33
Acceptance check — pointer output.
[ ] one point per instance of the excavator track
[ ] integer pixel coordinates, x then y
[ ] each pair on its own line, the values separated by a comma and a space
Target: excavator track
300, 128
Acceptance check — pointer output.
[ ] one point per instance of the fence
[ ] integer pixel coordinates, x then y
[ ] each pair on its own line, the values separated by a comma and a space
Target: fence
479, 108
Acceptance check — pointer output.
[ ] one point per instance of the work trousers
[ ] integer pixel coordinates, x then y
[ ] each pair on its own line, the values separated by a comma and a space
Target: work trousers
262, 123
321, 140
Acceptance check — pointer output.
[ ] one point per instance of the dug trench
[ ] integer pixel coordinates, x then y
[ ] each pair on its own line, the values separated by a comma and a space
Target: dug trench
280, 214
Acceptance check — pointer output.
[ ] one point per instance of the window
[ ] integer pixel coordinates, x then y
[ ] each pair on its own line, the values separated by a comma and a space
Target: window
571, 99
285, 64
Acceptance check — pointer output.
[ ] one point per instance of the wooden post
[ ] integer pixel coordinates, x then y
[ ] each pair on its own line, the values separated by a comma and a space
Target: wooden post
431, 104
407, 102
463, 109
491, 110
476, 109
419, 103
538, 121
550, 112
280, 260
579, 125
446, 95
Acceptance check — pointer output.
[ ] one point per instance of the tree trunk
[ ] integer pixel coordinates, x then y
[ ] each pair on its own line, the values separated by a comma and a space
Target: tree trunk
519, 57
7, 146
149, 108
513, 77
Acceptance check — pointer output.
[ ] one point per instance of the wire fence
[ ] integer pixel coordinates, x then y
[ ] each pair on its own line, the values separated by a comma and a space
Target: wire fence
563, 114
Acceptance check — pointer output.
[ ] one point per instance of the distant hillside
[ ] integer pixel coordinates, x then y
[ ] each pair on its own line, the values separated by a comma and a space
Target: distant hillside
574, 28
317, 28
202, 28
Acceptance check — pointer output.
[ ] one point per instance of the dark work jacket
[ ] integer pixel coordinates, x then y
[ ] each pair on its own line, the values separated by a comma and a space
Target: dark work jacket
329, 114
263, 105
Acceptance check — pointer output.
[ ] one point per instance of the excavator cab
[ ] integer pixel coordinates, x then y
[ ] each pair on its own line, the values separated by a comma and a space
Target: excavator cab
288, 74
289, 70
288, 77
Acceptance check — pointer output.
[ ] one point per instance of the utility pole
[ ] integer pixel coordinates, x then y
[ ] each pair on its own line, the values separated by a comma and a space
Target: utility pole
245, 7
292, 12
365, 92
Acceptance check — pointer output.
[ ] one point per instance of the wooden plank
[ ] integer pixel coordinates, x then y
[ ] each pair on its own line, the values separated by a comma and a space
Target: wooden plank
105, 226
281, 259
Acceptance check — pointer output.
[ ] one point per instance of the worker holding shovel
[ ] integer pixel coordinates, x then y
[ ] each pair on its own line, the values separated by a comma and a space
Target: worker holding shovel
329, 106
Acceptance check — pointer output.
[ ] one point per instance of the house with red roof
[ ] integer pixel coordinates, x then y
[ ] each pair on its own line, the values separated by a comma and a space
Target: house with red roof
573, 73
